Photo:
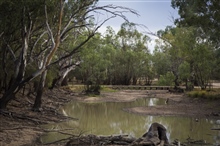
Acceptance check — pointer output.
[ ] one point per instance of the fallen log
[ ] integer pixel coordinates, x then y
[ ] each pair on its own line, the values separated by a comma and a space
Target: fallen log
156, 136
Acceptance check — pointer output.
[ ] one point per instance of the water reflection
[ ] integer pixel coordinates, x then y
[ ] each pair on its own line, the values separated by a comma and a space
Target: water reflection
109, 119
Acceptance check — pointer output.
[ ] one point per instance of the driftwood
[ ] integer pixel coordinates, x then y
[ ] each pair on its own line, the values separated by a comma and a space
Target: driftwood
156, 136
100, 140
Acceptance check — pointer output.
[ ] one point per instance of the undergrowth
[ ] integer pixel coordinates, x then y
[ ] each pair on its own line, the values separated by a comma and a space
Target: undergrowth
207, 94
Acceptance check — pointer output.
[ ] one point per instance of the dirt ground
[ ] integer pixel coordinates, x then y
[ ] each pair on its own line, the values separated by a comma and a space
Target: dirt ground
19, 126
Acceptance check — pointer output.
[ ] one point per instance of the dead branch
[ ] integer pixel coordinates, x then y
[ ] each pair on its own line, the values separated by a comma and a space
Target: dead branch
22, 117
215, 129
23, 127
58, 130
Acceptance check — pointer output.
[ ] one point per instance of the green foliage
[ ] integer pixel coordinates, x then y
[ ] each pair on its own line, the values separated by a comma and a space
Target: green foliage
50, 76
80, 88
166, 80
116, 58
200, 14
203, 16
132, 60
92, 89
204, 63
186, 54
184, 71
107, 89
161, 62
95, 61
76, 88
208, 94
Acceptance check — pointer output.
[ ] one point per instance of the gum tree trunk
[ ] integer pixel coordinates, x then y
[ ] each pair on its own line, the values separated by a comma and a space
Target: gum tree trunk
6, 98
48, 57
40, 88
61, 80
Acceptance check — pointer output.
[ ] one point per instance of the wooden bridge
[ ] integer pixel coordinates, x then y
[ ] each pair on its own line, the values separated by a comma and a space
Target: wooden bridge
136, 87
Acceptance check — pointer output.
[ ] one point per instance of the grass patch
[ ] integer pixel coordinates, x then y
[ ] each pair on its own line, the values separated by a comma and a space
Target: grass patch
76, 88
80, 88
208, 94
107, 89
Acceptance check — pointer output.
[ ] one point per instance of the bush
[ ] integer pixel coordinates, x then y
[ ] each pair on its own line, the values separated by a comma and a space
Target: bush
92, 88
212, 94
166, 80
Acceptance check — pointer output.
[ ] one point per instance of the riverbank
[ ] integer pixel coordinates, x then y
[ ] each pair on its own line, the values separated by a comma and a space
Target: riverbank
21, 126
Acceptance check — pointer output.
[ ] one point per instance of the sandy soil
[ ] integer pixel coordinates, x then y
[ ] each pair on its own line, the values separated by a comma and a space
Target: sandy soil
19, 126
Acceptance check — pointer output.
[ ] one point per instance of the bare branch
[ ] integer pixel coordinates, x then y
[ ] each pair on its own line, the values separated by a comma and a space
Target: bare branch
38, 39
70, 28
10, 50
1, 34
67, 25
118, 11
57, 43
48, 27
75, 50
172, 18
160, 37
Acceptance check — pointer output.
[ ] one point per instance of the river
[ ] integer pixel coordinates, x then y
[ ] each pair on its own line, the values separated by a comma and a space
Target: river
109, 118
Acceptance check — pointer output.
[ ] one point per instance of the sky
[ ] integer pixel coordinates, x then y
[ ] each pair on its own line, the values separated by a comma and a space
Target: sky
154, 14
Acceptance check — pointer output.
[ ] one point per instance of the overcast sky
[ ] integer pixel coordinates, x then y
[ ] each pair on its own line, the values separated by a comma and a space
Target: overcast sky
155, 14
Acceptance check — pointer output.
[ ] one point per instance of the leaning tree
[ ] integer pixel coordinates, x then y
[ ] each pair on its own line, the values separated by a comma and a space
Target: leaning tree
39, 30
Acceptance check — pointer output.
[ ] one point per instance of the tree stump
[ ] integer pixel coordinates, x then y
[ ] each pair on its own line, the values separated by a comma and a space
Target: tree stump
156, 136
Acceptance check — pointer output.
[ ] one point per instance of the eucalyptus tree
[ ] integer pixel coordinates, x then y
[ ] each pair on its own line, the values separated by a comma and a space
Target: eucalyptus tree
204, 63
189, 56
203, 15
97, 59
112, 46
160, 60
105, 61
171, 52
94, 64
172, 46
21, 27
133, 54
39, 30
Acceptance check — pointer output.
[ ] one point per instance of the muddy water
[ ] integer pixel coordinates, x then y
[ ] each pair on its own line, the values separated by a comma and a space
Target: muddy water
109, 119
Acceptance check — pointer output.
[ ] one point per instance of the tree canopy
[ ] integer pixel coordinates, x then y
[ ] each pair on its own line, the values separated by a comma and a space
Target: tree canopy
202, 14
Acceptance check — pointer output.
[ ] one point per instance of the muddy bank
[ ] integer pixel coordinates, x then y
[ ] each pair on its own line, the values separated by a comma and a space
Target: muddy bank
175, 104
21, 126
180, 105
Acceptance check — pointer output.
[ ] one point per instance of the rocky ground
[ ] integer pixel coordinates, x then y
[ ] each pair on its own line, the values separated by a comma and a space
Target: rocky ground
19, 126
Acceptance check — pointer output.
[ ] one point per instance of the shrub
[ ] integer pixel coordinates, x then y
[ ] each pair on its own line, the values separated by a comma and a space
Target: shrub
166, 80
212, 94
